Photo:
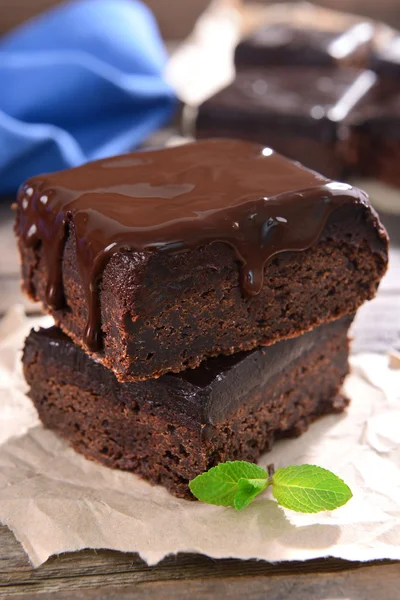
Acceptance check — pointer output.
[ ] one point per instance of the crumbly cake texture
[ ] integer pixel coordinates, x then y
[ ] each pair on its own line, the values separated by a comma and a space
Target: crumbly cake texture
160, 312
301, 112
171, 429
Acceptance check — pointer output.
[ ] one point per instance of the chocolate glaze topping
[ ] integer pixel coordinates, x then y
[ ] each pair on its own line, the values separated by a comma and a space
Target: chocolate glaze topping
174, 200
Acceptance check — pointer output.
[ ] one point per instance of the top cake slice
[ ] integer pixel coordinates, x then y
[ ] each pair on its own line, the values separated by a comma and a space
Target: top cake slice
156, 260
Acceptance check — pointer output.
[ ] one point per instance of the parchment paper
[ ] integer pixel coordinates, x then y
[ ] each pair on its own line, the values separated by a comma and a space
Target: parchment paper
55, 500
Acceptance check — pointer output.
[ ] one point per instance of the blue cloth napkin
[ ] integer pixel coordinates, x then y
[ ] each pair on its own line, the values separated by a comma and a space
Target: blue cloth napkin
80, 82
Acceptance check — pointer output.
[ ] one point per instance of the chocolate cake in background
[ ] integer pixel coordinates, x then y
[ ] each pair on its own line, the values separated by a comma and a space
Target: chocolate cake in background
294, 91
385, 61
302, 112
374, 148
290, 44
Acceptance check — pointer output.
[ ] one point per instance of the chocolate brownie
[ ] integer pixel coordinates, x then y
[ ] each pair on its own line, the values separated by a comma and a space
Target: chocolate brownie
155, 261
171, 429
386, 60
301, 112
287, 44
373, 150
374, 147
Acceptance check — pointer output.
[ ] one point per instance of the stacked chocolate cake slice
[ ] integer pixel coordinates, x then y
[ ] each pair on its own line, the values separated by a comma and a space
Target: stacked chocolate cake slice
202, 297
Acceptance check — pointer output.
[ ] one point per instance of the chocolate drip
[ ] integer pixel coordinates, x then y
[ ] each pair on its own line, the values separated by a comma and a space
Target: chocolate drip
174, 200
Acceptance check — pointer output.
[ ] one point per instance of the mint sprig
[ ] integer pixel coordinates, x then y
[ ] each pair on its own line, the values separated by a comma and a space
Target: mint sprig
304, 488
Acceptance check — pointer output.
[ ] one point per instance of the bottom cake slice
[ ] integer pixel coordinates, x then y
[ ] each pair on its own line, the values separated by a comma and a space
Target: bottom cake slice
168, 430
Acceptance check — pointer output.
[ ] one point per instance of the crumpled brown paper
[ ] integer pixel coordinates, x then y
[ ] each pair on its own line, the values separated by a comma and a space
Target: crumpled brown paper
54, 500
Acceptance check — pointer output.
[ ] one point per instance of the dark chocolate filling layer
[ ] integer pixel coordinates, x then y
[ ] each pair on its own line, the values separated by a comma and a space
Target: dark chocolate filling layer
208, 394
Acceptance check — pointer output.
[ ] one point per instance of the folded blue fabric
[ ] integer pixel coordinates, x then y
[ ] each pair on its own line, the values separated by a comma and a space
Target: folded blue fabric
80, 82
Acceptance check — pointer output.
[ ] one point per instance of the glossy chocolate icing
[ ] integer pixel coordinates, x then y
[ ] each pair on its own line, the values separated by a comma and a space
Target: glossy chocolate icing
174, 200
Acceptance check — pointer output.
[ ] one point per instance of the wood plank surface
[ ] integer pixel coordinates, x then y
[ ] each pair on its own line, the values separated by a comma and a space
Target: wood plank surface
89, 572
364, 584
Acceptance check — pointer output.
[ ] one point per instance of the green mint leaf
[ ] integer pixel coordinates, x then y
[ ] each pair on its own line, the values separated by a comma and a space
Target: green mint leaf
309, 489
247, 490
220, 484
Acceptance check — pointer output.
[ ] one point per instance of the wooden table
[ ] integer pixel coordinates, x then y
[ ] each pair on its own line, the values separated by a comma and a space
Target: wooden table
104, 574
